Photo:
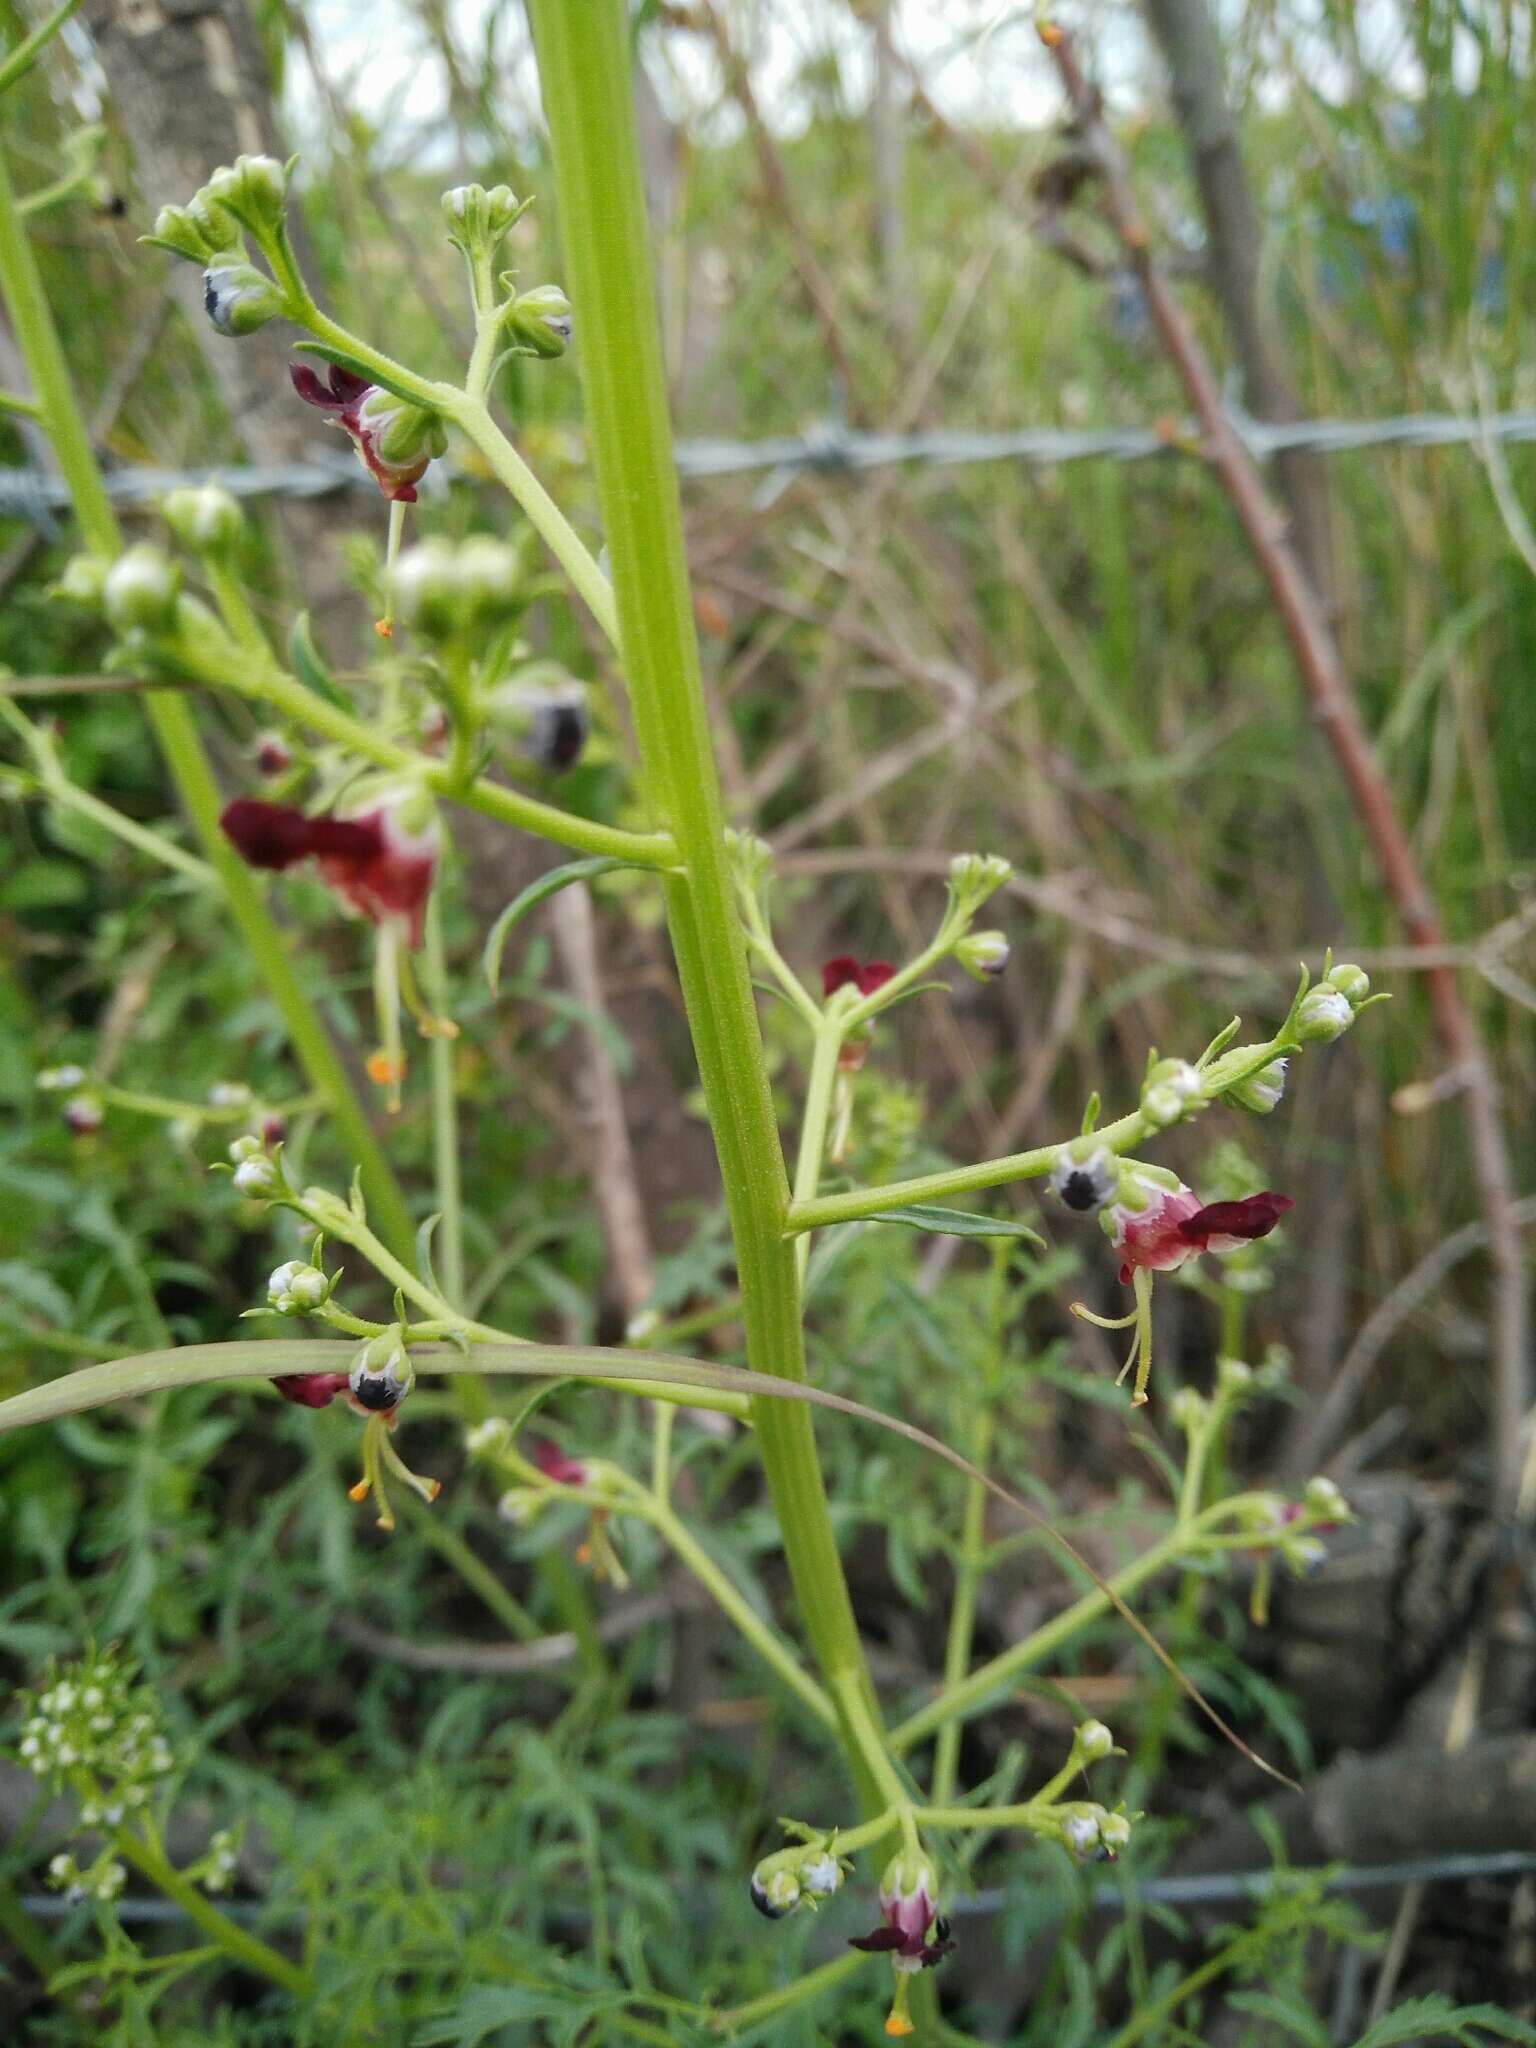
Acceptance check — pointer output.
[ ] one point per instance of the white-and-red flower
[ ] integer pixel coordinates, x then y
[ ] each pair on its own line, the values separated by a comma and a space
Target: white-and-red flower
1173, 1225
375, 864
369, 414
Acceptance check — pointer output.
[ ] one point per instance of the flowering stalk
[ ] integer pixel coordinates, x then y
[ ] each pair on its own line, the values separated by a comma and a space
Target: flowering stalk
176, 732
584, 70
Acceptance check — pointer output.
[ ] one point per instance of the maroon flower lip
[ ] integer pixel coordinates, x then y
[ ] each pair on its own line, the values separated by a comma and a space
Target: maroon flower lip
555, 1465
846, 972
891, 1941
377, 871
343, 396
1254, 1216
311, 1389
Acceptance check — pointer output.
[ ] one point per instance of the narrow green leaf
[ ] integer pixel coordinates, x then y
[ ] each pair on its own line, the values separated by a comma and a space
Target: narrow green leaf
548, 884
309, 664
957, 1222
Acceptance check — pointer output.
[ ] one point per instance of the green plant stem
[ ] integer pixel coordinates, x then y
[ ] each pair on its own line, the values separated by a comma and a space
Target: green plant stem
1149, 2016
962, 1612
477, 1575
685, 1545
1120, 1136
142, 838
473, 419
987, 1680
772, 2003
284, 693
27, 52
584, 70
448, 1245
150, 1861
826, 1047
176, 732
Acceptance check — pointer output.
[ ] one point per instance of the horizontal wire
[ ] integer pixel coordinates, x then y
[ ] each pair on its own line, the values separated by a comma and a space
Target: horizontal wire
1215, 1889
827, 448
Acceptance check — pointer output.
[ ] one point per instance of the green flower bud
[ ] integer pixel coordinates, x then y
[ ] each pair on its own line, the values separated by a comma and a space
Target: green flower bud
1325, 1013
1189, 1410
1260, 1092
1353, 983
140, 589
254, 189
382, 1374
1114, 1832
477, 220
489, 577
1323, 1499
820, 1875
425, 585
183, 234
1094, 1742
1169, 1092
488, 1438
774, 1891
973, 877
401, 432
204, 517
256, 1177
238, 298
541, 320
84, 581
983, 955
1233, 1376
296, 1289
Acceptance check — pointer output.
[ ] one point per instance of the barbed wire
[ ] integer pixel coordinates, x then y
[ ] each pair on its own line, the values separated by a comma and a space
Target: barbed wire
828, 447
1215, 1888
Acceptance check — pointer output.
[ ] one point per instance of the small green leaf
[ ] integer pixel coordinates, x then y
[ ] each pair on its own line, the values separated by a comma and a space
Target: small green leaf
309, 664
547, 885
957, 1222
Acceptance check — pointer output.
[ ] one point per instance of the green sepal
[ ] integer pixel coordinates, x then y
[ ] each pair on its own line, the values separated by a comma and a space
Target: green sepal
309, 664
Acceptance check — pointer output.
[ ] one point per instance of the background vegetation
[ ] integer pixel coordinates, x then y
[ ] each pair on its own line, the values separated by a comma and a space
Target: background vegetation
1073, 664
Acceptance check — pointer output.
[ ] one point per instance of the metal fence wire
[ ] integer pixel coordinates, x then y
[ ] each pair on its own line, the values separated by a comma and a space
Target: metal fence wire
828, 448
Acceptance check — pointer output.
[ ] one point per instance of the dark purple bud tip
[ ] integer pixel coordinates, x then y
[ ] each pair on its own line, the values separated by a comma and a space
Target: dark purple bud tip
1080, 1191
759, 1896
377, 1392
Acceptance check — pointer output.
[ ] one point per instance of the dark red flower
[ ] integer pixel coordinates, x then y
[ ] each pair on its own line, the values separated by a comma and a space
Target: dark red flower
377, 866
846, 972
311, 1389
555, 1465
1225, 1226
367, 413
891, 1941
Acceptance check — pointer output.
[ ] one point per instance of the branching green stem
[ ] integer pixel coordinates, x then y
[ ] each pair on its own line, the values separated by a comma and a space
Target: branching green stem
175, 730
241, 1947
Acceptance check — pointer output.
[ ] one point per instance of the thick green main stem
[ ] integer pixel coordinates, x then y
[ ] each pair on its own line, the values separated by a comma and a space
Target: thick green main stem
584, 71
174, 729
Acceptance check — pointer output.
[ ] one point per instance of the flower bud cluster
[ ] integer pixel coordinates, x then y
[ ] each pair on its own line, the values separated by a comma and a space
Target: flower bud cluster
1327, 1010
250, 194
219, 1866
94, 1725
477, 219
298, 1289
1091, 1833
445, 592
256, 1173
102, 1880
806, 1874
1172, 1090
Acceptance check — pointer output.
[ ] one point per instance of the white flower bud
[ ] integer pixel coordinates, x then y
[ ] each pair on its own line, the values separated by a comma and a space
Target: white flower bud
1080, 1832
1114, 1832
983, 955
204, 517
256, 1176
140, 591
1170, 1089
1324, 1014
56, 1078
1260, 1092
1189, 1410
488, 1438
238, 299
1324, 1499
1353, 983
1094, 1741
